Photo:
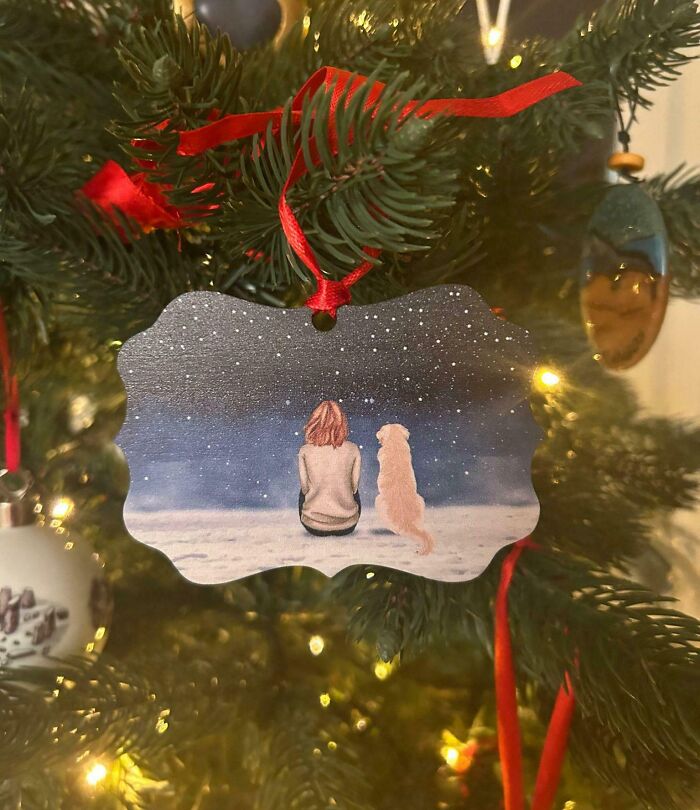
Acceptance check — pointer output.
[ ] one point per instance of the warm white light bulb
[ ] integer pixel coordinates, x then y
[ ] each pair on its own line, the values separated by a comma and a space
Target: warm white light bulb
450, 755
494, 36
549, 378
316, 645
61, 508
96, 774
382, 670
81, 413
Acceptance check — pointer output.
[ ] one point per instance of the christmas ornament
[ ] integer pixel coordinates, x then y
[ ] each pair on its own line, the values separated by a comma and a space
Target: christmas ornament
624, 272
247, 24
54, 601
625, 276
402, 438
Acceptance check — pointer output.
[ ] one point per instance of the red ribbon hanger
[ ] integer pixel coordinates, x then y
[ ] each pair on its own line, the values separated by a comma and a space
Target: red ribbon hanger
11, 397
145, 201
509, 742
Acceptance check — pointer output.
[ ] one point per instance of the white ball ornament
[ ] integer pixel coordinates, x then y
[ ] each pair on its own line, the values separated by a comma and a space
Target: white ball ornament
54, 600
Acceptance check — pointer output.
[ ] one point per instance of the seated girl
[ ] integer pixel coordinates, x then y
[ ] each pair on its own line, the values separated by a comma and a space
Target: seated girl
329, 474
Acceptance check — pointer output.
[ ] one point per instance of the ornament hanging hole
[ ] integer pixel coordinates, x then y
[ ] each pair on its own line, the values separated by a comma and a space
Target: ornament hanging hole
323, 321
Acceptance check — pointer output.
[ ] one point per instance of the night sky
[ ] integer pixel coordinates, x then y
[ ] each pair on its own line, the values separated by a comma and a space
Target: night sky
219, 391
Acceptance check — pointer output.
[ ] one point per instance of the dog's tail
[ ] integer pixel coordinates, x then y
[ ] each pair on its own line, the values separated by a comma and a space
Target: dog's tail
426, 540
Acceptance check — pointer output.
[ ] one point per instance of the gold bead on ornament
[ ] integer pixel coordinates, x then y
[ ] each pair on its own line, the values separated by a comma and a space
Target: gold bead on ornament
626, 162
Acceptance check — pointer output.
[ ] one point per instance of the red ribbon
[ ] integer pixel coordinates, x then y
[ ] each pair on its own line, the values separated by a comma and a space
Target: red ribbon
11, 391
509, 743
134, 195
144, 201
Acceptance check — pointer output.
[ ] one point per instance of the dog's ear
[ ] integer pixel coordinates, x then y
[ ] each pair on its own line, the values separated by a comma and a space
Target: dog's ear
404, 431
381, 433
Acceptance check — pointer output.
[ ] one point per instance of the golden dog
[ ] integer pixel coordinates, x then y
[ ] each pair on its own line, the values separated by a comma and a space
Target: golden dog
398, 504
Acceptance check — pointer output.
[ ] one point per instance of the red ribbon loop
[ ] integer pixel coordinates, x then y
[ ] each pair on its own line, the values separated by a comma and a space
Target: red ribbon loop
11, 394
509, 742
145, 201
329, 296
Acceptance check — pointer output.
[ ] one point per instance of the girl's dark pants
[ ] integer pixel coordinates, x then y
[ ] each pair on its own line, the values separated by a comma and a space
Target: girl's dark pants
316, 532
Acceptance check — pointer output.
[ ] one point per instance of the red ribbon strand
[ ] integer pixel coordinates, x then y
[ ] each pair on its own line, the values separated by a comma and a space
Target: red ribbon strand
146, 202
554, 749
509, 741
11, 396
134, 195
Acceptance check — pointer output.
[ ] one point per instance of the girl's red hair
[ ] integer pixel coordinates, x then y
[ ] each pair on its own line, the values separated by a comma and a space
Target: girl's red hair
328, 424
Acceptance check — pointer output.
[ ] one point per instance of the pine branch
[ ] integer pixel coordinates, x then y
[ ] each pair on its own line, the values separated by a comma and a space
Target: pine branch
560, 607
301, 767
147, 712
643, 699
678, 195
387, 187
177, 73
599, 480
640, 45
381, 38
55, 252
66, 49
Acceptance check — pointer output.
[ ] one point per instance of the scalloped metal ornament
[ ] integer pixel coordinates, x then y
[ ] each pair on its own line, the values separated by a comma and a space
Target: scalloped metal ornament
238, 466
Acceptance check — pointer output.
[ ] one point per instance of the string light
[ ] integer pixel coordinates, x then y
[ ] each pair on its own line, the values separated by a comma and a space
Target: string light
81, 413
325, 700
457, 754
61, 508
492, 33
316, 645
382, 670
362, 20
550, 378
494, 36
450, 755
547, 377
516, 61
124, 778
96, 774
162, 724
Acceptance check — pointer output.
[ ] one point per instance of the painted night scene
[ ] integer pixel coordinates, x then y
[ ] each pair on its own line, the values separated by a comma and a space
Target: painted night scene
252, 438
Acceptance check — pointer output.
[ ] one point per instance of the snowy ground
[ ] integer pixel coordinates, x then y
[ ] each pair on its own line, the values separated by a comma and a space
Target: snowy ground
219, 546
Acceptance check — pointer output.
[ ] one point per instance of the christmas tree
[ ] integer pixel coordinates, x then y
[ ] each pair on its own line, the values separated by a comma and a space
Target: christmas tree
373, 689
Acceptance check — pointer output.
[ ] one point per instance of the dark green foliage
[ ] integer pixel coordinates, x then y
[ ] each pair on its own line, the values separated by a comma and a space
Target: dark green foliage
678, 195
301, 768
213, 691
642, 44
